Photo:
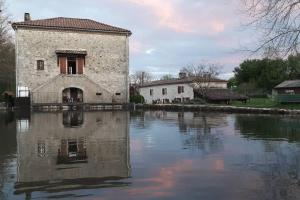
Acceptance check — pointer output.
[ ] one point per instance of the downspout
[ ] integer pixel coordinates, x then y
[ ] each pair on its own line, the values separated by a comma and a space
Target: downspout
16, 60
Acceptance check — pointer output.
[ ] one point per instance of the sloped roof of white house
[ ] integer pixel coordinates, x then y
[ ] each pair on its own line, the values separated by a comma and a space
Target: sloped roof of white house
178, 81
289, 84
75, 24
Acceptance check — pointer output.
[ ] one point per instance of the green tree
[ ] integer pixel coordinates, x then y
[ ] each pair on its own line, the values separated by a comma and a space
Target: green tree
262, 74
293, 64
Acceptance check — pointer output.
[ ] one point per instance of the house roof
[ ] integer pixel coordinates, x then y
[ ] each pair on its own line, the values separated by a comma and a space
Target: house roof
288, 84
9, 93
177, 81
223, 95
74, 24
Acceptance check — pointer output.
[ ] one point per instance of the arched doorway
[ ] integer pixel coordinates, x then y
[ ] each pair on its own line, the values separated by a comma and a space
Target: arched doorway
72, 95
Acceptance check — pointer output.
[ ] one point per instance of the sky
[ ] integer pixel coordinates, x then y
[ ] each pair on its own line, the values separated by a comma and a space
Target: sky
167, 34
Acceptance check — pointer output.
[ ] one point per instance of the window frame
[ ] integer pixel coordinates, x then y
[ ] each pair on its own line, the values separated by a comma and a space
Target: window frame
151, 92
180, 89
164, 91
40, 65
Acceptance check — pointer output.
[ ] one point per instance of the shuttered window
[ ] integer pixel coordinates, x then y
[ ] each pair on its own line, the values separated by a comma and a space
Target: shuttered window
80, 64
62, 62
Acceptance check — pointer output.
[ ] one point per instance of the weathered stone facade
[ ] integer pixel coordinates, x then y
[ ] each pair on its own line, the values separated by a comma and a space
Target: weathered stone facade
105, 71
95, 150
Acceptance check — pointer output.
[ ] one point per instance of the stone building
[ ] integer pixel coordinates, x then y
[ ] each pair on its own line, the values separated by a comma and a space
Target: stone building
67, 60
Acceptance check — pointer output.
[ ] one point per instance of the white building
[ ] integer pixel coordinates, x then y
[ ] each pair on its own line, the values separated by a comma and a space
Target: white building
178, 90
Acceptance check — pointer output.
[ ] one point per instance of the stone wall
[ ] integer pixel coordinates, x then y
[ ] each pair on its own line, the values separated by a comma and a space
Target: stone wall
106, 62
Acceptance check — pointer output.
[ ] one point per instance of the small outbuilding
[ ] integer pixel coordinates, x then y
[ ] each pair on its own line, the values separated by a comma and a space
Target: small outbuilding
287, 92
216, 95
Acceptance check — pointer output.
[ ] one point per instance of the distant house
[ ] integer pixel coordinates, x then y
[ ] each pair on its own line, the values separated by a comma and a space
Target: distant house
68, 60
287, 92
175, 90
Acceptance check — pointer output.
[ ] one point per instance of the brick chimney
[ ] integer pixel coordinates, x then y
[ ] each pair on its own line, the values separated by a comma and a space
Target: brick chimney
27, 17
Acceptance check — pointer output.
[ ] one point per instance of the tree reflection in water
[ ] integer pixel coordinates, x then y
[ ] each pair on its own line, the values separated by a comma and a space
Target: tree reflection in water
279, 165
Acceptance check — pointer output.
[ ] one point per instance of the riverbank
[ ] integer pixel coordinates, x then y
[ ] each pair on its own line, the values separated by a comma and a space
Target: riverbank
266, 103
216, 108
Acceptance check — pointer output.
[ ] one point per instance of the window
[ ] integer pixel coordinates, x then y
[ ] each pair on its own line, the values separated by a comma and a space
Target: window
180, 89
98, 94
151, 92
41, 149
40, 65
164, 91
71, 62
118, 94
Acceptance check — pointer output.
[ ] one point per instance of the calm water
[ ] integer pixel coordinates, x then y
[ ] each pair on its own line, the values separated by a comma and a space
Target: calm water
149, 155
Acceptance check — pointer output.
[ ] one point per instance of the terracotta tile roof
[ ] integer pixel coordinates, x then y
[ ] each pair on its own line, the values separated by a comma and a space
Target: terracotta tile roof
62, 23
177, 81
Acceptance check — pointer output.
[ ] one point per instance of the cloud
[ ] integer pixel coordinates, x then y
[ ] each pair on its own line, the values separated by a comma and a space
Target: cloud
150, 51
182, 31
166, 14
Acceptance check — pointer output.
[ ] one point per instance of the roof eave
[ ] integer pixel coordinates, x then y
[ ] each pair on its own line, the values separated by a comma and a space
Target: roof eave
15, 26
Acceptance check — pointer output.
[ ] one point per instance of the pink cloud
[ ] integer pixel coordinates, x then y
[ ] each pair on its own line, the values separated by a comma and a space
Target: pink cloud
166, 14
176, 16
162, 184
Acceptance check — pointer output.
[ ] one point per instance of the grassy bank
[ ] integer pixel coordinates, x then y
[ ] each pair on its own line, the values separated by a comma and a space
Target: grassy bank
265, 103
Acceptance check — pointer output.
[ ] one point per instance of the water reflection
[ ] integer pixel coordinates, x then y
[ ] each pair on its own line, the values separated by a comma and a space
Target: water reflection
8, 150
269, 127
174, 155
55, 157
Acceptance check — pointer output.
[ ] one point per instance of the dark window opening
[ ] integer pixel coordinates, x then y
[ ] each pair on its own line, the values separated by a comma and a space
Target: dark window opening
164, 91
72, 119
180, 89
40, 65
72, 65
118, 94
98, 94
151, 92
72, 148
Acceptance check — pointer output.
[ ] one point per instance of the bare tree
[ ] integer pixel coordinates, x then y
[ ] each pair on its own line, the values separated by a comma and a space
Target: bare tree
202, 75
167, 77
140, 77
7, 51
280, 22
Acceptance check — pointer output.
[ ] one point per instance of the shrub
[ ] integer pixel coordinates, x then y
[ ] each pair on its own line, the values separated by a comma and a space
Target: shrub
137, 99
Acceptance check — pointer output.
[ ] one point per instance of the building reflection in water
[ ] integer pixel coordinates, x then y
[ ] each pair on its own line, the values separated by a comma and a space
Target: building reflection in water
72, 150
199, 130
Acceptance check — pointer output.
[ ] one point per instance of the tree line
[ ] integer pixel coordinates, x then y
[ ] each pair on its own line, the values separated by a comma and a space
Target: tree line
260, 76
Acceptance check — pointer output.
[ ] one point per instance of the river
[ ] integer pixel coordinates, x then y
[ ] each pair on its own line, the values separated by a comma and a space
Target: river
149, 155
